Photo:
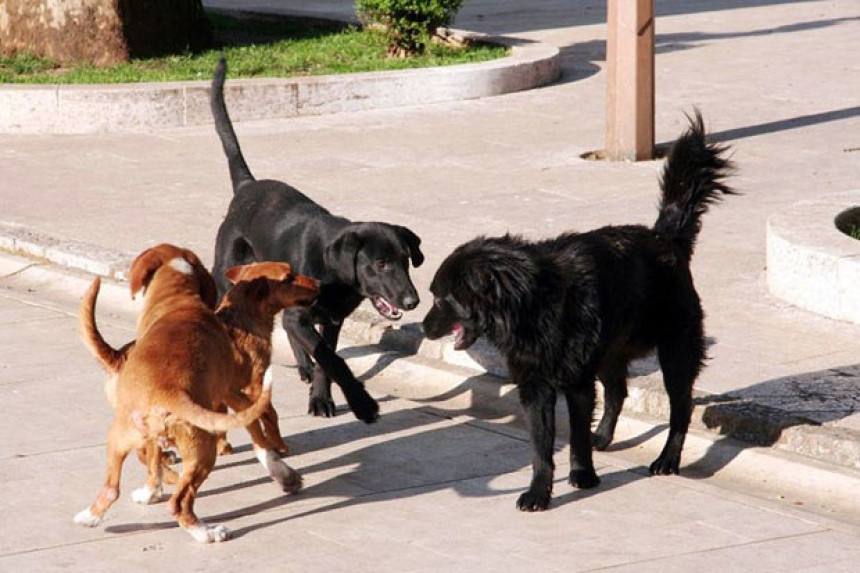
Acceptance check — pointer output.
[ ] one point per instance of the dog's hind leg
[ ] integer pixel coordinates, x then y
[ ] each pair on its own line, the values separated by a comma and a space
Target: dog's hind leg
580, 407
151, 492
197, 448
118, 447
613, 377
681, 360
538, 401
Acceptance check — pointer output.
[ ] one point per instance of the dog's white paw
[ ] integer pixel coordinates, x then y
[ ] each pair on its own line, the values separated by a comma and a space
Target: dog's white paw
209, 533
87, 519
145, 496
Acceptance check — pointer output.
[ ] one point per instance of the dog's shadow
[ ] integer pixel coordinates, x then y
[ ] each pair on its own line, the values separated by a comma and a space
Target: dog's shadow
762, 414
430, 444
425, 439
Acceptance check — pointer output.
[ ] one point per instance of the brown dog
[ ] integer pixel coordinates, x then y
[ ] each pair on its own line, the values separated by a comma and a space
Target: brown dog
184, 365
112, 360
259, 292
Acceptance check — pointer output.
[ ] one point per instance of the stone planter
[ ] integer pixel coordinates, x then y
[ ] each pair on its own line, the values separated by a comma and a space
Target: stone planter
811, 261
134, 107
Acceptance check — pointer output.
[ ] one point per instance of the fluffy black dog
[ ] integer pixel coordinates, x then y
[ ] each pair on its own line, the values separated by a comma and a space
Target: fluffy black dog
272, 221
580, 306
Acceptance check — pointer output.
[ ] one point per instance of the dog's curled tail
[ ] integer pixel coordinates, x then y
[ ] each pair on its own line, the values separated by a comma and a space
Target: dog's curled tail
692, 180
239, 172
109, 357
214, 422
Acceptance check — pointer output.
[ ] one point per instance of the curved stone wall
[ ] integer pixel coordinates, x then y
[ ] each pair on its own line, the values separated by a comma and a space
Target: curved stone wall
813, 264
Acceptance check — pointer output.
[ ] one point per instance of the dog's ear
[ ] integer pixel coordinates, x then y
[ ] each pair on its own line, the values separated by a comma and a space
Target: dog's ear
234, 274
143, 268
413, 242
208, 289
340, 255
481, 283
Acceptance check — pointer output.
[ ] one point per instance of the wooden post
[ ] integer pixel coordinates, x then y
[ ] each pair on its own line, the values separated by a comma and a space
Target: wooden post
630, 80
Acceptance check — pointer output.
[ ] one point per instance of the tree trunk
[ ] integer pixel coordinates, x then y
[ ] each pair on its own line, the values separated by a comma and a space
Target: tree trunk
102, 32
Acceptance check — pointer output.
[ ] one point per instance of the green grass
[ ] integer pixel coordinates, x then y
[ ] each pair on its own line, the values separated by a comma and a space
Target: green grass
257, 46
854, 232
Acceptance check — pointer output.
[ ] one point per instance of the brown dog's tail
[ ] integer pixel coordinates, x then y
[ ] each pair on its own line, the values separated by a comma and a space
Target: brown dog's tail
109, 357
214, 422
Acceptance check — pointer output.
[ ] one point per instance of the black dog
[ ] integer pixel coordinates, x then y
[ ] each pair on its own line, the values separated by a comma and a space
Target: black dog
580, 306
272, 221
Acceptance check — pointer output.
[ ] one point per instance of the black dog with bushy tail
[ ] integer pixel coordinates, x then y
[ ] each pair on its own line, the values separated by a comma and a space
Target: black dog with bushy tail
581, 306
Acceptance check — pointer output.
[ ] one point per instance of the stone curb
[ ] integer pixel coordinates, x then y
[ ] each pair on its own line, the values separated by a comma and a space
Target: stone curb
731, 415
19, 240
811, 263
134, 107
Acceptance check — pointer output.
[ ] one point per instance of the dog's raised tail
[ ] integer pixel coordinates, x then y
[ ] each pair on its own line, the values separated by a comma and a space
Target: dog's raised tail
239, 172
109, 357
214, 422
692, 180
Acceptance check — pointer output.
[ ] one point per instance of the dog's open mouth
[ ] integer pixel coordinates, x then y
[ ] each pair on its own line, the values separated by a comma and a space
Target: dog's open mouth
459, 336
385, 308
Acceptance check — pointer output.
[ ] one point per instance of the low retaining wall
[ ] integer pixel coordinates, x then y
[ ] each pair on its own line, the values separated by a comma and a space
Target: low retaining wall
129, 107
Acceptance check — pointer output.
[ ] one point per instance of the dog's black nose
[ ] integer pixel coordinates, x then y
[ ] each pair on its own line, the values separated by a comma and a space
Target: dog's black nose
410, 302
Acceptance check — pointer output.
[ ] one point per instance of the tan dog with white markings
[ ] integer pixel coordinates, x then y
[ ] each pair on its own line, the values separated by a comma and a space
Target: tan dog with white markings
185, 364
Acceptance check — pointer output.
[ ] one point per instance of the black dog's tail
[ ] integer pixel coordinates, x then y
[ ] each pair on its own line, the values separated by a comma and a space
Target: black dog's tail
692, 180
239, 172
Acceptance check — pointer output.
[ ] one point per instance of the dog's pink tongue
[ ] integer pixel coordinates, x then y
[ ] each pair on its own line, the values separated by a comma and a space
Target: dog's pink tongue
386, 309
458, 332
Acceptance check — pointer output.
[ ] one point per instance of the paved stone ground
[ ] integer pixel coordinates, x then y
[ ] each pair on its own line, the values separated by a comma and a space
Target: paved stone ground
430, 487
773, 79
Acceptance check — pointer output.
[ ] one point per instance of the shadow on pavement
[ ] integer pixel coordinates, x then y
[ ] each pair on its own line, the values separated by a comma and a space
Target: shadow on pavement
786, 124
582, 60
423, 456
760, 414
567, 14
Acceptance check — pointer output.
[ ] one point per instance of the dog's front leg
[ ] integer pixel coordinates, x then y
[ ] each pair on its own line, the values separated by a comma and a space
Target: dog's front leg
538, 401
360, 402
296, 322
320, 403
119, 444
286, 477
303, 360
